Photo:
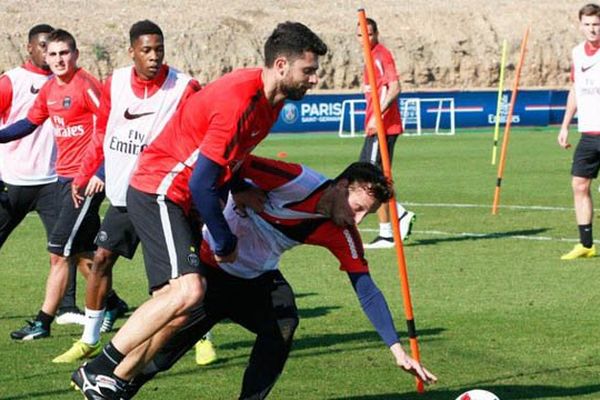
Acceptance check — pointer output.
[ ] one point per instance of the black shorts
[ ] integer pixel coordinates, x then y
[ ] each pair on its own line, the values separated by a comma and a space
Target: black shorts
117, 233
169, 242
370, 150
264, 305
18, 201
75, 228
586, 159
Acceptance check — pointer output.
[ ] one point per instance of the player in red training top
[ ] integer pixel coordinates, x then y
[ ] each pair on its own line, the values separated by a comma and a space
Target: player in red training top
192, 160
388, 90
252, 292
28, 177
70, 100
137, 102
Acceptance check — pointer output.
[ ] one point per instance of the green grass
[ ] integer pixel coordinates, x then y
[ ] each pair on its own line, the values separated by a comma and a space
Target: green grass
494, 308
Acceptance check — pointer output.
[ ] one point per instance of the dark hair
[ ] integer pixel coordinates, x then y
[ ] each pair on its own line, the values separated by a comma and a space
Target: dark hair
292, 39
145, 27
371, 21
589, 10
371, 177
36, 30
60, 35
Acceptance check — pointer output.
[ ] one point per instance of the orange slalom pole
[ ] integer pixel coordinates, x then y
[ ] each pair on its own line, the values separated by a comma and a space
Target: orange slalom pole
513, 98
385, 162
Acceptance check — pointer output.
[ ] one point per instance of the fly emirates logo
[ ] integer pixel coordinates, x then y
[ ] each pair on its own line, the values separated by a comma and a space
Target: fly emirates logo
61, 130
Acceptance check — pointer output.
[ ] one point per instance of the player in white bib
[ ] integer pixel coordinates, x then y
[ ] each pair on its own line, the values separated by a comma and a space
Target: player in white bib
584, 99
137, 101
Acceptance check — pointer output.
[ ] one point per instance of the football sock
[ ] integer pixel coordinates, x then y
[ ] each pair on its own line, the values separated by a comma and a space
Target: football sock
107, 360
93, 322
585, 235
45, 319
385, 229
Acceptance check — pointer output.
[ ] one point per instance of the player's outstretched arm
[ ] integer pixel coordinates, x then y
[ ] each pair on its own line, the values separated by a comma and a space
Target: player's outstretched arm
17, 130
410, 365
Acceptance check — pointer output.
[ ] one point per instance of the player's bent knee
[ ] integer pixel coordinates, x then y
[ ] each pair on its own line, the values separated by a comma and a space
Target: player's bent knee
103, 261
287, 328
188, 291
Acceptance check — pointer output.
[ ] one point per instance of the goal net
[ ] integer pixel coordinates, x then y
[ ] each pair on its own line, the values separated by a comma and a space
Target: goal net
419, 116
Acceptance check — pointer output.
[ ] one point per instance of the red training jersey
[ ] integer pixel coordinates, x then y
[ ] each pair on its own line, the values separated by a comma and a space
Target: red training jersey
224, 122
72, 109
286, 217
385, 72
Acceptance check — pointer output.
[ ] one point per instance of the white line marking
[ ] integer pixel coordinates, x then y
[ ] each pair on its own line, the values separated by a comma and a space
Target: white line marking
513, 207
496, 235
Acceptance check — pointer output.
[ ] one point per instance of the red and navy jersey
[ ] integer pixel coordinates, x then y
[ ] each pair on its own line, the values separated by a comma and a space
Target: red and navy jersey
224, 122
72, 109
385, 72
290, 218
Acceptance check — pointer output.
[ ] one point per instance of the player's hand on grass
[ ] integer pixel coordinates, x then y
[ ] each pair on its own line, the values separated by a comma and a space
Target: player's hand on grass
252, 198
95, 185
412, 366
563, 138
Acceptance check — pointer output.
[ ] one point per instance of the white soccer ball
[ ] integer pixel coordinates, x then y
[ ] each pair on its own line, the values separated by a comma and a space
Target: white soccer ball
477, 394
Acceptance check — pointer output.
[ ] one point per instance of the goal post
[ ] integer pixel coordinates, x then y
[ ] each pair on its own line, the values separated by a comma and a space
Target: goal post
420, 116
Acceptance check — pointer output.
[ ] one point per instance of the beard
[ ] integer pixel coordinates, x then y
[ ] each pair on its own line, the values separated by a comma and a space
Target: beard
293, 91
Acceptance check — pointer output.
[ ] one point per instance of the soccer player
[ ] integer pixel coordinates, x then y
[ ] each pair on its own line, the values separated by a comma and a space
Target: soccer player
388, 89
252, 292
27, 186
584, 99
70, 100
191, 161
137, 101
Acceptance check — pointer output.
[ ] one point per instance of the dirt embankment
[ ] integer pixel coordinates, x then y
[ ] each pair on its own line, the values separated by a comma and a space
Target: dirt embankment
437, 43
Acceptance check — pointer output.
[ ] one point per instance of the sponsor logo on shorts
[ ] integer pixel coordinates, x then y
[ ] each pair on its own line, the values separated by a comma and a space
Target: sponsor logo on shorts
102, 236
50, 244
193, 259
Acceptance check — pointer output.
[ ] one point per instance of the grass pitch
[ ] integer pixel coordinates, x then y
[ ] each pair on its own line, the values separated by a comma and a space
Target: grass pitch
494, 306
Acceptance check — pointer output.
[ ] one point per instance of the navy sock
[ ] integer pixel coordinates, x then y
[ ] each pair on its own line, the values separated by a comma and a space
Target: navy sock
45, 319
585, 235
112, 300
107, 361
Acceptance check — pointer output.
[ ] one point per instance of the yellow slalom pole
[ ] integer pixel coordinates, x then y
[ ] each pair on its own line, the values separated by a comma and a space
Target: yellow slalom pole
499, 103
511, 109
385, 162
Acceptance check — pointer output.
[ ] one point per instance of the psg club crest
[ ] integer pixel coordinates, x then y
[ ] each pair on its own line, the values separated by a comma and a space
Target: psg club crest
67, 103
289, 113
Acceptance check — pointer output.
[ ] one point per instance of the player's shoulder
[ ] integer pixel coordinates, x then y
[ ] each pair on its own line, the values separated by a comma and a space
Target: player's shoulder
84, 77
243, 82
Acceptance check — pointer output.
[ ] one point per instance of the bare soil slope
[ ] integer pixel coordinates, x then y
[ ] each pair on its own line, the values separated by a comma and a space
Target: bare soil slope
437, 44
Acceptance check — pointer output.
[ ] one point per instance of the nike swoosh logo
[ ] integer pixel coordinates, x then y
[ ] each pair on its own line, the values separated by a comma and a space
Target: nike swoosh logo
50, 102
583, 69
129, 115
34, 90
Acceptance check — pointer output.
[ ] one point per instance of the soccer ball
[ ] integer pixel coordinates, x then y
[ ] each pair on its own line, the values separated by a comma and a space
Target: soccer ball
477, 394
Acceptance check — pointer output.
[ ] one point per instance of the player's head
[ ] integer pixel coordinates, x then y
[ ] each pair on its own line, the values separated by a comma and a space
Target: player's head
589, 22
62, 54
147, 48
293, 51
372, 31
37, 40
366, 188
